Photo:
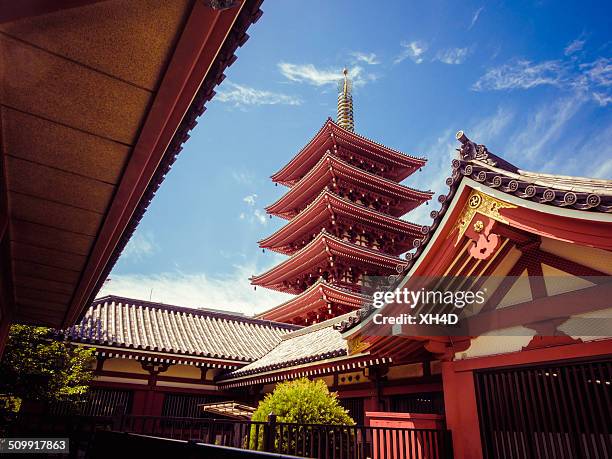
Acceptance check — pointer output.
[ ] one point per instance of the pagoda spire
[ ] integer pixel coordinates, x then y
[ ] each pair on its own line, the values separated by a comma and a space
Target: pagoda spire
345, 103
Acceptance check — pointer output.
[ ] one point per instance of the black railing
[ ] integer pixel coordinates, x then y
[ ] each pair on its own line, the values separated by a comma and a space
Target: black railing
109, 444
304, 440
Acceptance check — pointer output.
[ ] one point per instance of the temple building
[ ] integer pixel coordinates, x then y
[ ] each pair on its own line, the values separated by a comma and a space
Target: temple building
343, 208
530, 373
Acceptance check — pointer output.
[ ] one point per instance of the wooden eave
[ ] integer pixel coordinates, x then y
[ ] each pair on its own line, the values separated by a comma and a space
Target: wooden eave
328, 206
84, 152
331, 135
316, 296
323, 249
330, 168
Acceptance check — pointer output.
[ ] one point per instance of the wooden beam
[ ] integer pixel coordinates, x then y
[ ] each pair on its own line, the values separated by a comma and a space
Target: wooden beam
203, 36
542, 309
14, 10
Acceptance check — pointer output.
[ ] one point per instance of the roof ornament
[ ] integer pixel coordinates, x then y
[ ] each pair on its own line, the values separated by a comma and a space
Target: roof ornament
345, 102
221, 5
472, 151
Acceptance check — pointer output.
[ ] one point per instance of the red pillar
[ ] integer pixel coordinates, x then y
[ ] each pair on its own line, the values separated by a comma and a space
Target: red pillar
461, 411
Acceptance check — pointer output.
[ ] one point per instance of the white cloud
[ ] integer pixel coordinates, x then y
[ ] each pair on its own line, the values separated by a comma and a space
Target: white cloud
242, 96
413, 50
574, 46
250, 199
598, 72
593, 78
254, 215
522, 74
260, 215
475, 17
367, 58
602, 99
242, 177
543, 127
141, 245
309, 74
452, 55
232, 292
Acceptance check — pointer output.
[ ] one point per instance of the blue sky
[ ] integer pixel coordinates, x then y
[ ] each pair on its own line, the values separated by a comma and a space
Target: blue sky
530, 79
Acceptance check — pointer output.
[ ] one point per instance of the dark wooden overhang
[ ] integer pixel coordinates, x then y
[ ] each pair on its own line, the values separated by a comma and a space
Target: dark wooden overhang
96, 99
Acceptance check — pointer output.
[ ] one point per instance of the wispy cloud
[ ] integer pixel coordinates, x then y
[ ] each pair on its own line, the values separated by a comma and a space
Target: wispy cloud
250, 199
475, 17
242, 177
141, 245
254, 215
574, 46
522, 74
413, 50
232, 292
366, 58
593, 78
243, 96
542, 128
452, 56
310, 74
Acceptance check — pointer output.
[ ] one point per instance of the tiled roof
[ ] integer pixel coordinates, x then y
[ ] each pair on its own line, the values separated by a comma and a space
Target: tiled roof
315, 343
142, 325
581, 193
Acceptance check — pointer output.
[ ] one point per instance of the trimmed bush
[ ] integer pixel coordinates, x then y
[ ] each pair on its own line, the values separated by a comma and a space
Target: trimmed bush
301, 402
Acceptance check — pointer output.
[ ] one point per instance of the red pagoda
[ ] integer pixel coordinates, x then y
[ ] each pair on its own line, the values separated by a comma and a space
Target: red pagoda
343, 209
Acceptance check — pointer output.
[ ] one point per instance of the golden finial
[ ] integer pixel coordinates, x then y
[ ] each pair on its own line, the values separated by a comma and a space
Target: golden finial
345, 102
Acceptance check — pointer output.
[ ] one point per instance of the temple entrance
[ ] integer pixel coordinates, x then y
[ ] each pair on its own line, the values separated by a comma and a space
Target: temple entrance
552, 411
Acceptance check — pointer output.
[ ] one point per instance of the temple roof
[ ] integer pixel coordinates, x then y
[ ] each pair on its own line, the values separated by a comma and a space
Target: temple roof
143, 325
310, 344
317, 296
477, 163
332, 135
322, 249
329, 205
327, 171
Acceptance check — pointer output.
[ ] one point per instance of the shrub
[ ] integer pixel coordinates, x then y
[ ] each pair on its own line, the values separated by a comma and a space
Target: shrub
301, 402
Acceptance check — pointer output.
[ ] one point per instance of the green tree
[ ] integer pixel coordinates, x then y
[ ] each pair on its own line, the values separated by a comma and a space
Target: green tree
36, 366
301, 402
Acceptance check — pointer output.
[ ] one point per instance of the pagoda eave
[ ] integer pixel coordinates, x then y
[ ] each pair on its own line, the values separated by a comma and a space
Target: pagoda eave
328, 171
317, 300
326, 251
326, 210
331, 135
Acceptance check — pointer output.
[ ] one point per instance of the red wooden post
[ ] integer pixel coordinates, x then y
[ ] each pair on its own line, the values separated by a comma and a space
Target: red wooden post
461, 411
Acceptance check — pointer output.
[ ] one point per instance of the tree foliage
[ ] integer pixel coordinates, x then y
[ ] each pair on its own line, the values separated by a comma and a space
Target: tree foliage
304, 402
35, 366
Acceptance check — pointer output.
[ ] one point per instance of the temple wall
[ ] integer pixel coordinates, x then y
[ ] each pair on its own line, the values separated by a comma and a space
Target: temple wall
183, 371
124, 366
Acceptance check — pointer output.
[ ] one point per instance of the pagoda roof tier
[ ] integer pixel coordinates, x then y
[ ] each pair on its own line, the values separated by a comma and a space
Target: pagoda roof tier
325, 249
318, 297
330, 137
327, 207
328, 171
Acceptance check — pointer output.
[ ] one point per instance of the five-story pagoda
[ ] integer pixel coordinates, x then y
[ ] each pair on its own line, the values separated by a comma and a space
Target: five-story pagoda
343, 208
